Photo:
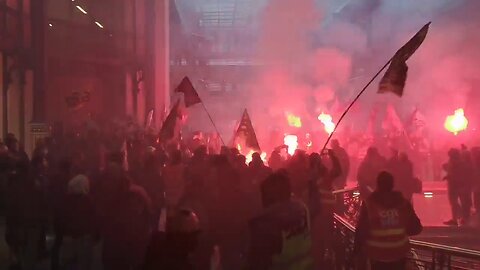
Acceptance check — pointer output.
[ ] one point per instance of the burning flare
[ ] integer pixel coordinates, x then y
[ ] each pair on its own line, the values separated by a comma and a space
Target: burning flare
327, 122
456, 122
294, 121
292, 142
249, 156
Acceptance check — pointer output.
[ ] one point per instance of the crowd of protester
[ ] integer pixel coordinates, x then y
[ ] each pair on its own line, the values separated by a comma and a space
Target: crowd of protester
462, 171
119, 198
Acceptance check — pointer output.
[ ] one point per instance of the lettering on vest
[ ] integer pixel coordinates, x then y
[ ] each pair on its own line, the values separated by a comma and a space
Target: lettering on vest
389, 218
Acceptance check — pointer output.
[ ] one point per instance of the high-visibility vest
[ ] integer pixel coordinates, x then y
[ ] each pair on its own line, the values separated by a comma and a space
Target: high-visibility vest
296, 249
388, 240
295, 255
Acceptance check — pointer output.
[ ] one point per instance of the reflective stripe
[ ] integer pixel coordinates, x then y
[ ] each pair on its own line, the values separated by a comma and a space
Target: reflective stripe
395, 244
387, 232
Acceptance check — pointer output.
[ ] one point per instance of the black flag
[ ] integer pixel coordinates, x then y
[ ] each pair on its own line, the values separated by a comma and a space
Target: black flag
396, 75
190, 95
245, 131
170, 126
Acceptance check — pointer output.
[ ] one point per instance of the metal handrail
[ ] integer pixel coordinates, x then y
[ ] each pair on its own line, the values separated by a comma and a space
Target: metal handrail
416, 244
424, 255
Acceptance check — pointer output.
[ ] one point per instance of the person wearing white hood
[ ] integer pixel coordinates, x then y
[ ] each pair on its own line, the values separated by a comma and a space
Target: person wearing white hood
80, 228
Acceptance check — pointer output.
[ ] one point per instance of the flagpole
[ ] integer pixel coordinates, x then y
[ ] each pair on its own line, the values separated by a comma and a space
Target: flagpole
353, 102
213, 123
405, 52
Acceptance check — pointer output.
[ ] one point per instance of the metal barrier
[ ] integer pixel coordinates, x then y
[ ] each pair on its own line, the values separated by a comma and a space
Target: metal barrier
423, 256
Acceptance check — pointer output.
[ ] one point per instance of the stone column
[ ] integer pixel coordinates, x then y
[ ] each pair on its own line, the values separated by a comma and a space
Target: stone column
162, 61
37, 9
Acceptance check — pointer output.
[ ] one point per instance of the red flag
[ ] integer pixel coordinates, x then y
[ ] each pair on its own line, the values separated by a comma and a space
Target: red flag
396, 75
246, 132
370, 130
190, 95
392, 122
170, 126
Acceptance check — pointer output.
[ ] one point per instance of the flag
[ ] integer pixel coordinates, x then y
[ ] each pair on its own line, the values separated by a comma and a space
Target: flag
245, 131
371, 130
417, 119
416, 123
170, 126
190, 95
396, 75
392, 122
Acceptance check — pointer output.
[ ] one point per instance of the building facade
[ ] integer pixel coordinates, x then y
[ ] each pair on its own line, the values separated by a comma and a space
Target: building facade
64, 62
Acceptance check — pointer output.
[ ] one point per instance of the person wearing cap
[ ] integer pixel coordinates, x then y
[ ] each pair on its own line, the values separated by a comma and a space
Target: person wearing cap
280, 236
175, 240
386, 221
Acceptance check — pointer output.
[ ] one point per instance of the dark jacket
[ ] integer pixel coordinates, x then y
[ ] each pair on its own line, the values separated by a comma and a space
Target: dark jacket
166, 252
267, 231
389, 200
78, 216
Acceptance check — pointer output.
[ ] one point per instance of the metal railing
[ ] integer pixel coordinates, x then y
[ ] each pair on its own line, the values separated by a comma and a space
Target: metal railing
423, 255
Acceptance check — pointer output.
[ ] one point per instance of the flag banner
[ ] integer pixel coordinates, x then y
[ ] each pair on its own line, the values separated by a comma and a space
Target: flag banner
246, 132
170, 126
190, 95
392, 122
394, 79
417, 119
371, 130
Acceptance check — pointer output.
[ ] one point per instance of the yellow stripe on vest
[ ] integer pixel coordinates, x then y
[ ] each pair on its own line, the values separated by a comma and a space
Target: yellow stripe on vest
387, 232
378, 244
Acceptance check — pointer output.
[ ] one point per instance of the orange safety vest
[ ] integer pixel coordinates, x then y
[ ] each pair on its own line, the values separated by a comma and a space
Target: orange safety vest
388, 240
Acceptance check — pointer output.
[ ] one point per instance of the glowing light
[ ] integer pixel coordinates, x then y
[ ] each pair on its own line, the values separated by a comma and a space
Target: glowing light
456, 122
51, 25
294, 121
263, 156
428, 195
309, 140
82, 10
292, 142
239, 147
327, 122
99, 24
